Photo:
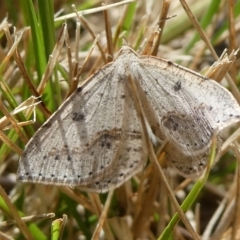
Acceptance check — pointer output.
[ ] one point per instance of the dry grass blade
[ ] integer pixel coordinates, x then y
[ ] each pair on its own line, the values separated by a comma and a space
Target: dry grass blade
78, 198
153, 158
86, 25
103, 216
209, 45
151, 43
218, 70
25, 106
21, 224
52, 60
215, 218
13, 122
236, 224
28, 219
232, 36
94, 10
17, 56
108, 36
162, 19
3, 236
10, 143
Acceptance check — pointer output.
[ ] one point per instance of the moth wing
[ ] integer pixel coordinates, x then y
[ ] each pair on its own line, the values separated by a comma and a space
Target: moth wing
189, 108
165, 80
93, 141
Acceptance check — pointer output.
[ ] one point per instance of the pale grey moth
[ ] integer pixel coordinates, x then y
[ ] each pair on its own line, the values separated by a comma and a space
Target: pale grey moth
95, 139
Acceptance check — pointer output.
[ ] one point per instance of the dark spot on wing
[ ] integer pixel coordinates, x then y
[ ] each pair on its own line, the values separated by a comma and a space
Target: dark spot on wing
171, 122
79, 89
177, 86
105, 140
78, 116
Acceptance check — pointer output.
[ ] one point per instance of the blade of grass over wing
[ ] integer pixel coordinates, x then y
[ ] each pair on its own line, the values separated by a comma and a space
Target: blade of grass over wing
153, 158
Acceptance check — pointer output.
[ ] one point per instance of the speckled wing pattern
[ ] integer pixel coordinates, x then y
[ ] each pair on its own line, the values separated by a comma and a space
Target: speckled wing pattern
190, 108
95, 139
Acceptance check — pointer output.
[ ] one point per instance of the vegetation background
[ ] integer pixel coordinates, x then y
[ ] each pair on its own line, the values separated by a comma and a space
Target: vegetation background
140, 209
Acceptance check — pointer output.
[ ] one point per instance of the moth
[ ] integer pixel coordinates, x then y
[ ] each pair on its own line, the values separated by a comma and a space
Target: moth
95, 139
